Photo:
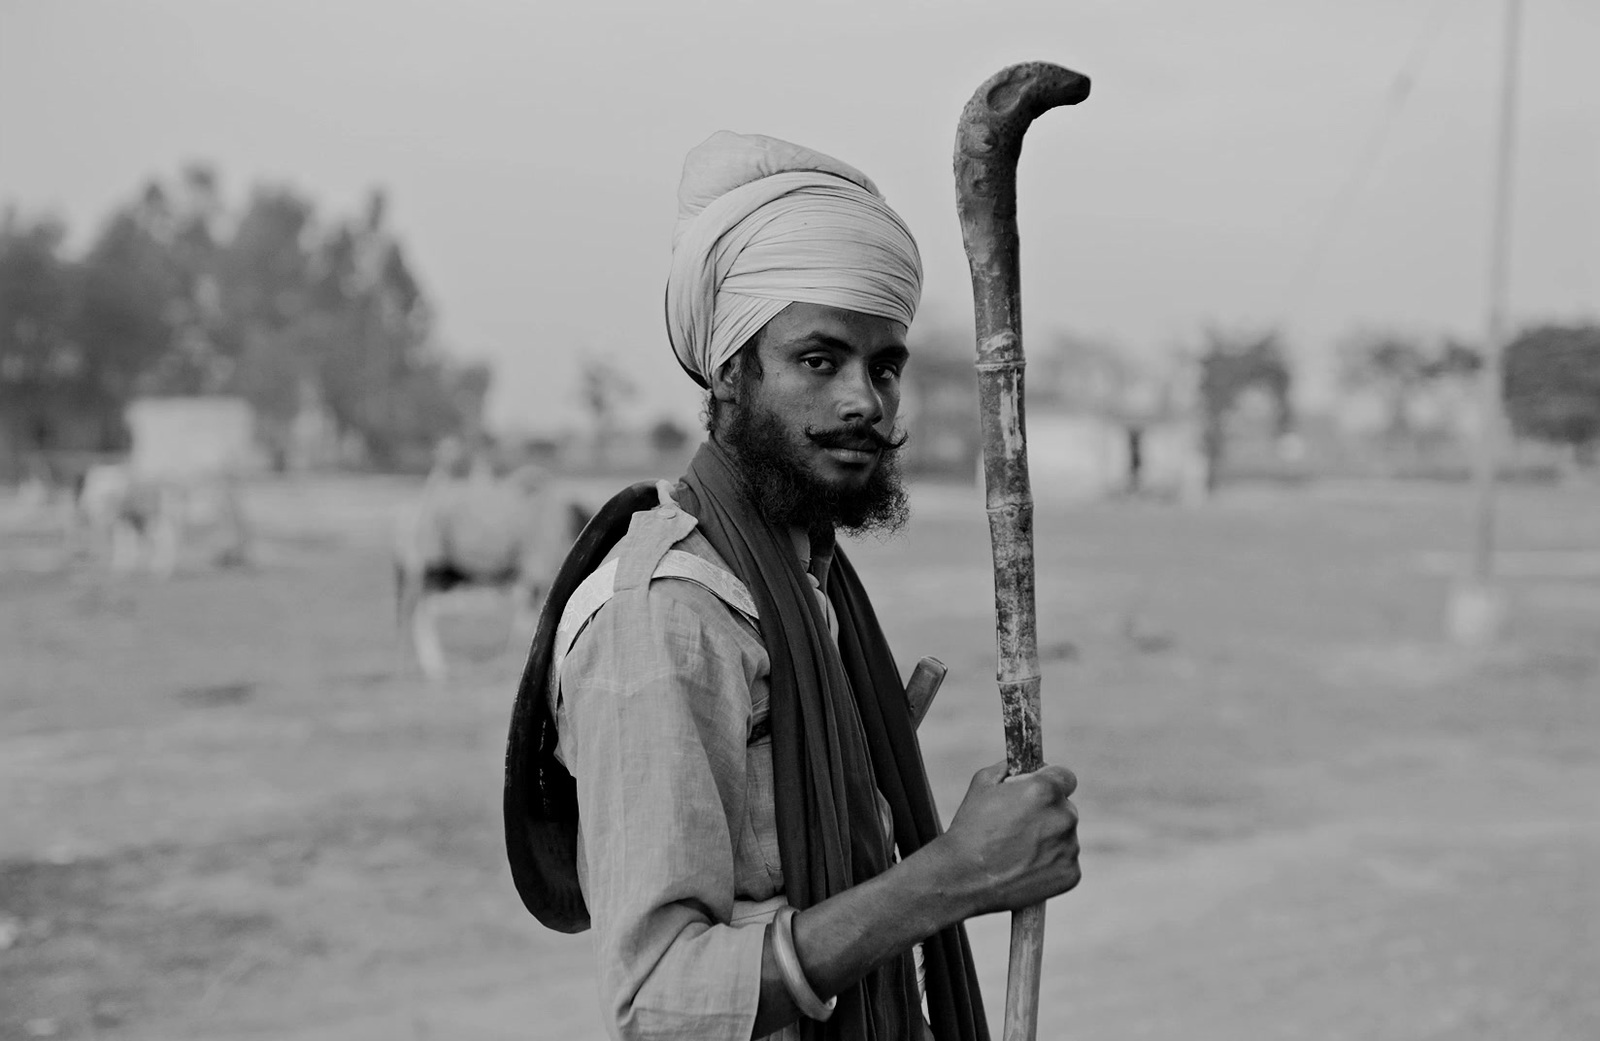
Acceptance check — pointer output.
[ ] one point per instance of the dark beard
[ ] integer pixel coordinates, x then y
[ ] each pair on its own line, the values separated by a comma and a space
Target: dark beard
789, 495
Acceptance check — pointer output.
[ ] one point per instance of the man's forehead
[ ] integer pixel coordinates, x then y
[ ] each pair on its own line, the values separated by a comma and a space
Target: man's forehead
803, 325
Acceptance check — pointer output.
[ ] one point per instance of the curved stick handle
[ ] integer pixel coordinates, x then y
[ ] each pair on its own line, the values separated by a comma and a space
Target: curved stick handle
988, 143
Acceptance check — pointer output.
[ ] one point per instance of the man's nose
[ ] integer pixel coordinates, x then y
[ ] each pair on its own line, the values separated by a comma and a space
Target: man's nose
859, 400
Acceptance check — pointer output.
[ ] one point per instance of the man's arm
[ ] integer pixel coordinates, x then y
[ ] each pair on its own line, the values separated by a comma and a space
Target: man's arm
1010, 845
659, 758
656, 720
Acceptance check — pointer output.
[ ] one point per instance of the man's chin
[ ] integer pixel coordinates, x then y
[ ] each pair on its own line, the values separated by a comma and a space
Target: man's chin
859, 500
807, 486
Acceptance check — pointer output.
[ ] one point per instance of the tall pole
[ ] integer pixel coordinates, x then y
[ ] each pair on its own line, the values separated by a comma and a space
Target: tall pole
1476, 608
1489, 385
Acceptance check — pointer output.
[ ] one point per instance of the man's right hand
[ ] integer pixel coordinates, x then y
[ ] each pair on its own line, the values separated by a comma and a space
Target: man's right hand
1014, 841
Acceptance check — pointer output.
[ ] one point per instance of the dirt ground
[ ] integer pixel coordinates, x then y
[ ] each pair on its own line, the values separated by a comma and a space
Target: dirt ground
230, 809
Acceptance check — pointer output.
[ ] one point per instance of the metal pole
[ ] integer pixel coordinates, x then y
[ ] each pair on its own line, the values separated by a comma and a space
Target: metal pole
1489, 384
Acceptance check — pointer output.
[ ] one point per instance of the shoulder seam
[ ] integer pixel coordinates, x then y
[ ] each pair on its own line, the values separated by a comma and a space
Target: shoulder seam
601, 586
677, 563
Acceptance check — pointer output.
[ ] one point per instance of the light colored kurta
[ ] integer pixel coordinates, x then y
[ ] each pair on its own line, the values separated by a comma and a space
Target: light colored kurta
678, 845
657, 698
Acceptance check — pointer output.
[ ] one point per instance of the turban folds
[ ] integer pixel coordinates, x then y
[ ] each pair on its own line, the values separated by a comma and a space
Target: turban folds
763, 223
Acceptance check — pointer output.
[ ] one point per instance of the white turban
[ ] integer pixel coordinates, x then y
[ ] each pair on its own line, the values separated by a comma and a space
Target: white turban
763, 223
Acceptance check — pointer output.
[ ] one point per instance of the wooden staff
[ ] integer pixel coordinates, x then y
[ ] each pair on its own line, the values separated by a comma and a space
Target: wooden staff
988, 142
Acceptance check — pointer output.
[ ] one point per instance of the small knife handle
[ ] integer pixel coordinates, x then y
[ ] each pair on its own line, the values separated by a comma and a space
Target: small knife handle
922, 686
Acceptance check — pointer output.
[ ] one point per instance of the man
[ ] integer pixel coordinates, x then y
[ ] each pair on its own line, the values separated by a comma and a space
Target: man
755, 843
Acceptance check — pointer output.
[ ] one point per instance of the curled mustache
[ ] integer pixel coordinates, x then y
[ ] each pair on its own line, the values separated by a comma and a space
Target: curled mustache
858, 436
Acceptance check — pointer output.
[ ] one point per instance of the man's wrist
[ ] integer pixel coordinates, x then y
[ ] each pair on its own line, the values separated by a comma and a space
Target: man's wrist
939, 884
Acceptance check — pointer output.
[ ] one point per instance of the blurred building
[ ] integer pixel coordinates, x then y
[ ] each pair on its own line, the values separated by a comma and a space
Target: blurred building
1106, 421
1100, 422
1079, 455
939, 404
190, 437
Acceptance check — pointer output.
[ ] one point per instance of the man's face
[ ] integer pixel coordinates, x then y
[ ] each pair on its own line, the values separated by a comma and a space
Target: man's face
822, 414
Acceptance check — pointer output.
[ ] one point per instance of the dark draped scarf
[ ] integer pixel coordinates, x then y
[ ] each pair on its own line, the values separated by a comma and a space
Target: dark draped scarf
840, 733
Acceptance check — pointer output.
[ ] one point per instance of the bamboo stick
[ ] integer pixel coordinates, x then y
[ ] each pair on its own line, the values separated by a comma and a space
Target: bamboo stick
988, 143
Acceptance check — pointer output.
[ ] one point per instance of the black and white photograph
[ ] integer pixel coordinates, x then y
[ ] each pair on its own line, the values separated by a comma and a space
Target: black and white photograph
527, 521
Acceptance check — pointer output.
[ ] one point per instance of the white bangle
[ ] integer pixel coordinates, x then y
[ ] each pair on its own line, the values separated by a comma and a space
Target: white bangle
794, 977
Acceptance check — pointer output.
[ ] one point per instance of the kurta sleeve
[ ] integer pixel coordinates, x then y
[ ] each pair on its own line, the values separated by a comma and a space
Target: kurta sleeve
656, 717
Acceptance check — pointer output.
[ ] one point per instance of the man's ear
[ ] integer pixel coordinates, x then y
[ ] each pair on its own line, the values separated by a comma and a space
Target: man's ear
725, 385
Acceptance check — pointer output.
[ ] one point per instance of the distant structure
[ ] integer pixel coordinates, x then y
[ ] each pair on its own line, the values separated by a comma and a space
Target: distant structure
1103, 423
1089, 455
186, 439
939, 410
179, 484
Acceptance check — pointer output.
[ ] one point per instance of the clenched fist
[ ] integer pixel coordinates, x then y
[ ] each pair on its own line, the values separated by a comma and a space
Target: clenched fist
1014, 841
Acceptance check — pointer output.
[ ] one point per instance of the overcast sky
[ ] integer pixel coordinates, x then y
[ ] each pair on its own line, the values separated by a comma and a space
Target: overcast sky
532, 150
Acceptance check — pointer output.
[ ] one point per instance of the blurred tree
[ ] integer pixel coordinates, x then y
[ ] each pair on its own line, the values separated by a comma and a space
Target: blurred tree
278, 327
266, 267
179, 224
42, 369
1080, 372
35, 298
1552, 387
375, 360
604, 389
175, 296
131, 295
1230, 365
1096, 375
1399, 367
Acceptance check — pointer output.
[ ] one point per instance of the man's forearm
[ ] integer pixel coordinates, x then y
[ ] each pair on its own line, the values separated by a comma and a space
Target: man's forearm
844, 937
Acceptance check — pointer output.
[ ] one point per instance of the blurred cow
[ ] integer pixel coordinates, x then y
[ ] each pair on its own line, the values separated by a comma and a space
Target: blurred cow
144, 523
475, 532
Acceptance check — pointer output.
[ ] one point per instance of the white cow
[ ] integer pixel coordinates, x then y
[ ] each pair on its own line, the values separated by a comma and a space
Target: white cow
472, 533
143, 523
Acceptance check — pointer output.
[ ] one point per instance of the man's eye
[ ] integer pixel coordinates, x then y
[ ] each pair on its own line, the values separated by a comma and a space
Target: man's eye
817, 362
887, 372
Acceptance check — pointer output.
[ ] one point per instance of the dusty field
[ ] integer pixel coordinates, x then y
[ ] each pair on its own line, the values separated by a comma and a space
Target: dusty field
229, 809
